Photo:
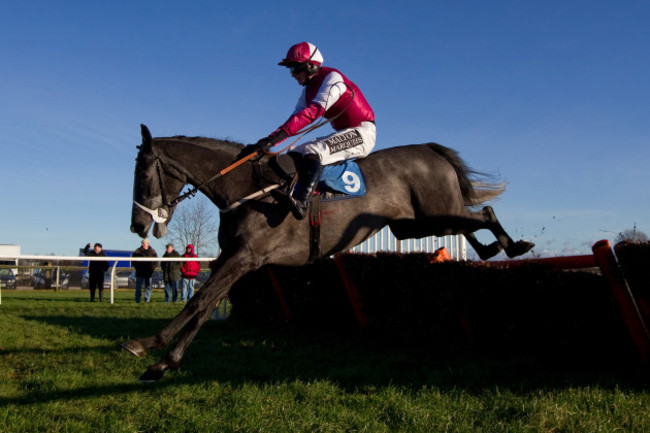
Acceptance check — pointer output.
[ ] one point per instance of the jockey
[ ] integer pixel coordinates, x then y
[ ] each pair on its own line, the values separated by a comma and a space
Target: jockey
328, 93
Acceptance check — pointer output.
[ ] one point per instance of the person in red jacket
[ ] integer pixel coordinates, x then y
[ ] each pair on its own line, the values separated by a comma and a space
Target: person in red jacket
327, 93
189, 272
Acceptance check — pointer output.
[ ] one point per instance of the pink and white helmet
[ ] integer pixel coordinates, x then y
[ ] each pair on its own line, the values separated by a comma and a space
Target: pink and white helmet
303, 52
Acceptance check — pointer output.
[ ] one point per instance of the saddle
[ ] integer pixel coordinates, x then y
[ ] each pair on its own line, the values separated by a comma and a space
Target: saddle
339, 181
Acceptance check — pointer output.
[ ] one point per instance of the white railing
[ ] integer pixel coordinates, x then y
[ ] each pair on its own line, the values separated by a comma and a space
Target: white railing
385, 240
115, 260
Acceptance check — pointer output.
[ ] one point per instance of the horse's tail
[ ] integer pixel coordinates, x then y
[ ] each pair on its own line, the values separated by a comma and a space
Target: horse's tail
475, 191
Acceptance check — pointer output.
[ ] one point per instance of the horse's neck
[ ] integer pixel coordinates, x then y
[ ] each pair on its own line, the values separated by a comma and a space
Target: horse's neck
200, 164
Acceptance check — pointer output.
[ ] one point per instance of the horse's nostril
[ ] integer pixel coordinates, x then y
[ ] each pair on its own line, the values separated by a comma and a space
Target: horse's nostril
136, 228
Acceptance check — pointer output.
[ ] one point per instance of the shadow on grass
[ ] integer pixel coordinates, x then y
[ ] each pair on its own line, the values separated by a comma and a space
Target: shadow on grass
239, 353
104, 327
53, 299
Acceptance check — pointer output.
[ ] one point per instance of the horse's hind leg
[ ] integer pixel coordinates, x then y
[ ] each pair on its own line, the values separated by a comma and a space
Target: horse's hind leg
484, 251
512, 248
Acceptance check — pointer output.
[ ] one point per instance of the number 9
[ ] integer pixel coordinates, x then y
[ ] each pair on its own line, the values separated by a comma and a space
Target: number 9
351, 181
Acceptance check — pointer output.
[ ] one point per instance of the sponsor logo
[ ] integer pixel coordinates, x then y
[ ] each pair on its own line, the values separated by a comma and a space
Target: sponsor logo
340, 142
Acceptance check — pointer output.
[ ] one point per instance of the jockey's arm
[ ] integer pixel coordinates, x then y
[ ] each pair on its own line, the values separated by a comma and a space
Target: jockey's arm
295, 123
302, 118
304, 114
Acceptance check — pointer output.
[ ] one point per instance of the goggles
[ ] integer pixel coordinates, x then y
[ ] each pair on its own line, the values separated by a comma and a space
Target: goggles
298, 68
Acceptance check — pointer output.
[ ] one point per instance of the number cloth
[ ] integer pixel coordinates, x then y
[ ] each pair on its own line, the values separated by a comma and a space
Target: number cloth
346, 178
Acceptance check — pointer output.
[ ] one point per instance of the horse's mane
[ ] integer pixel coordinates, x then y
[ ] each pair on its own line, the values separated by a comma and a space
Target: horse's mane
210, 143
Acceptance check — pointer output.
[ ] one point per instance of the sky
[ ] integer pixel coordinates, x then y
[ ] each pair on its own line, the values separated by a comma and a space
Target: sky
552, 97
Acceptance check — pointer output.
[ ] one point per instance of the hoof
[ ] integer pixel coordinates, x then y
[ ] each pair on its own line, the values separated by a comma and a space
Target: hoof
520, 247
135, 348
151, 375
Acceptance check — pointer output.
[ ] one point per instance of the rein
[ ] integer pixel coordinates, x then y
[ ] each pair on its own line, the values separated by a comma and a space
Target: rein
192, 192
250, 197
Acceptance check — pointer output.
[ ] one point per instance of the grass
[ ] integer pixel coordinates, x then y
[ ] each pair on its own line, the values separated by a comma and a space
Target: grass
62, 370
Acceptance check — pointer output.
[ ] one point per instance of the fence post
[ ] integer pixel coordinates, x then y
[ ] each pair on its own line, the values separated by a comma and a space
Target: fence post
56, 283
353, 293
631, 316
279, 292
113, 272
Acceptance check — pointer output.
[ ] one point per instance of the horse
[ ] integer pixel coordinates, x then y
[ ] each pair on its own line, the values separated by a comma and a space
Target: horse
417, 190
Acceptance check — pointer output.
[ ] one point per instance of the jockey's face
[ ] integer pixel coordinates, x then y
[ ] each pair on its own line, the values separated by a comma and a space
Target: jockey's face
299, 76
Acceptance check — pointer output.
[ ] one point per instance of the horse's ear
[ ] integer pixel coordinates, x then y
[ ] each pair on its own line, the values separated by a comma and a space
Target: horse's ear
146, 135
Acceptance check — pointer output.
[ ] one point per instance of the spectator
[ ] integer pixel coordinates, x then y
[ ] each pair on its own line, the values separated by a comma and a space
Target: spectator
47, 276
171, 274
189, 272
144, 271
96, 270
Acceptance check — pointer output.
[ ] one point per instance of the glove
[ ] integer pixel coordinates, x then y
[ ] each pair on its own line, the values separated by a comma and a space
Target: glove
265, 143
260, 146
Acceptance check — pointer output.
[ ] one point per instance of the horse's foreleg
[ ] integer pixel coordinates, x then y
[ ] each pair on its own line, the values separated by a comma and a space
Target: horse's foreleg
199, 309
173, 358
206, 302
141, 346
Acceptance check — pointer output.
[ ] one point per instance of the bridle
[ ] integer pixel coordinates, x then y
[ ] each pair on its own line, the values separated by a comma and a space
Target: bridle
161, 214
162, 184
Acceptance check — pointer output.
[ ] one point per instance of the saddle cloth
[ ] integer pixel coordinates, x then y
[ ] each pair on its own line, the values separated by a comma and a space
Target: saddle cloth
345, 178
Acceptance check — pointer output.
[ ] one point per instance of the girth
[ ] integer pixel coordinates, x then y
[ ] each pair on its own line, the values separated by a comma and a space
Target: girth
315, 219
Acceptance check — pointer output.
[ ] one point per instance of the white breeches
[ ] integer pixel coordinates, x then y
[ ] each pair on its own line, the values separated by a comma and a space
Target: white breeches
342, 145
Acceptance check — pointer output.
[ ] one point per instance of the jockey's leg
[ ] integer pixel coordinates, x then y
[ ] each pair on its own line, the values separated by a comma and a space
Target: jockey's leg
346, 144
308, 177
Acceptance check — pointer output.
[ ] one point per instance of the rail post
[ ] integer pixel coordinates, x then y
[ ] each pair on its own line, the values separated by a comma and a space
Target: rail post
622, 294
353, 293
279, 292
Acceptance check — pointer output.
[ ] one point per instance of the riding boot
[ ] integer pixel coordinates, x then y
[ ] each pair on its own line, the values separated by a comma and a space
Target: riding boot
308, 177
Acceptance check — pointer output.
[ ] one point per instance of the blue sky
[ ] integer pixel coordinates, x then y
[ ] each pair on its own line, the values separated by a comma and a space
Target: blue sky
553, 97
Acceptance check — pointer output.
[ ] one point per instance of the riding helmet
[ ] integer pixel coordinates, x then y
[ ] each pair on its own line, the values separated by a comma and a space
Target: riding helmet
304, 54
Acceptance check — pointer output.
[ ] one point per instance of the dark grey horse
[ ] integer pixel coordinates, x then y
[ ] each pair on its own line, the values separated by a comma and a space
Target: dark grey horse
417, 190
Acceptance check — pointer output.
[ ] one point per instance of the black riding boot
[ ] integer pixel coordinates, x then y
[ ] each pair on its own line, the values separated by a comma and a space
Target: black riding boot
308, 178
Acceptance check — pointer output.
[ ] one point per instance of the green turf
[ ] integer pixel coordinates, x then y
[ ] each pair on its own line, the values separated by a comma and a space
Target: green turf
62, 370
